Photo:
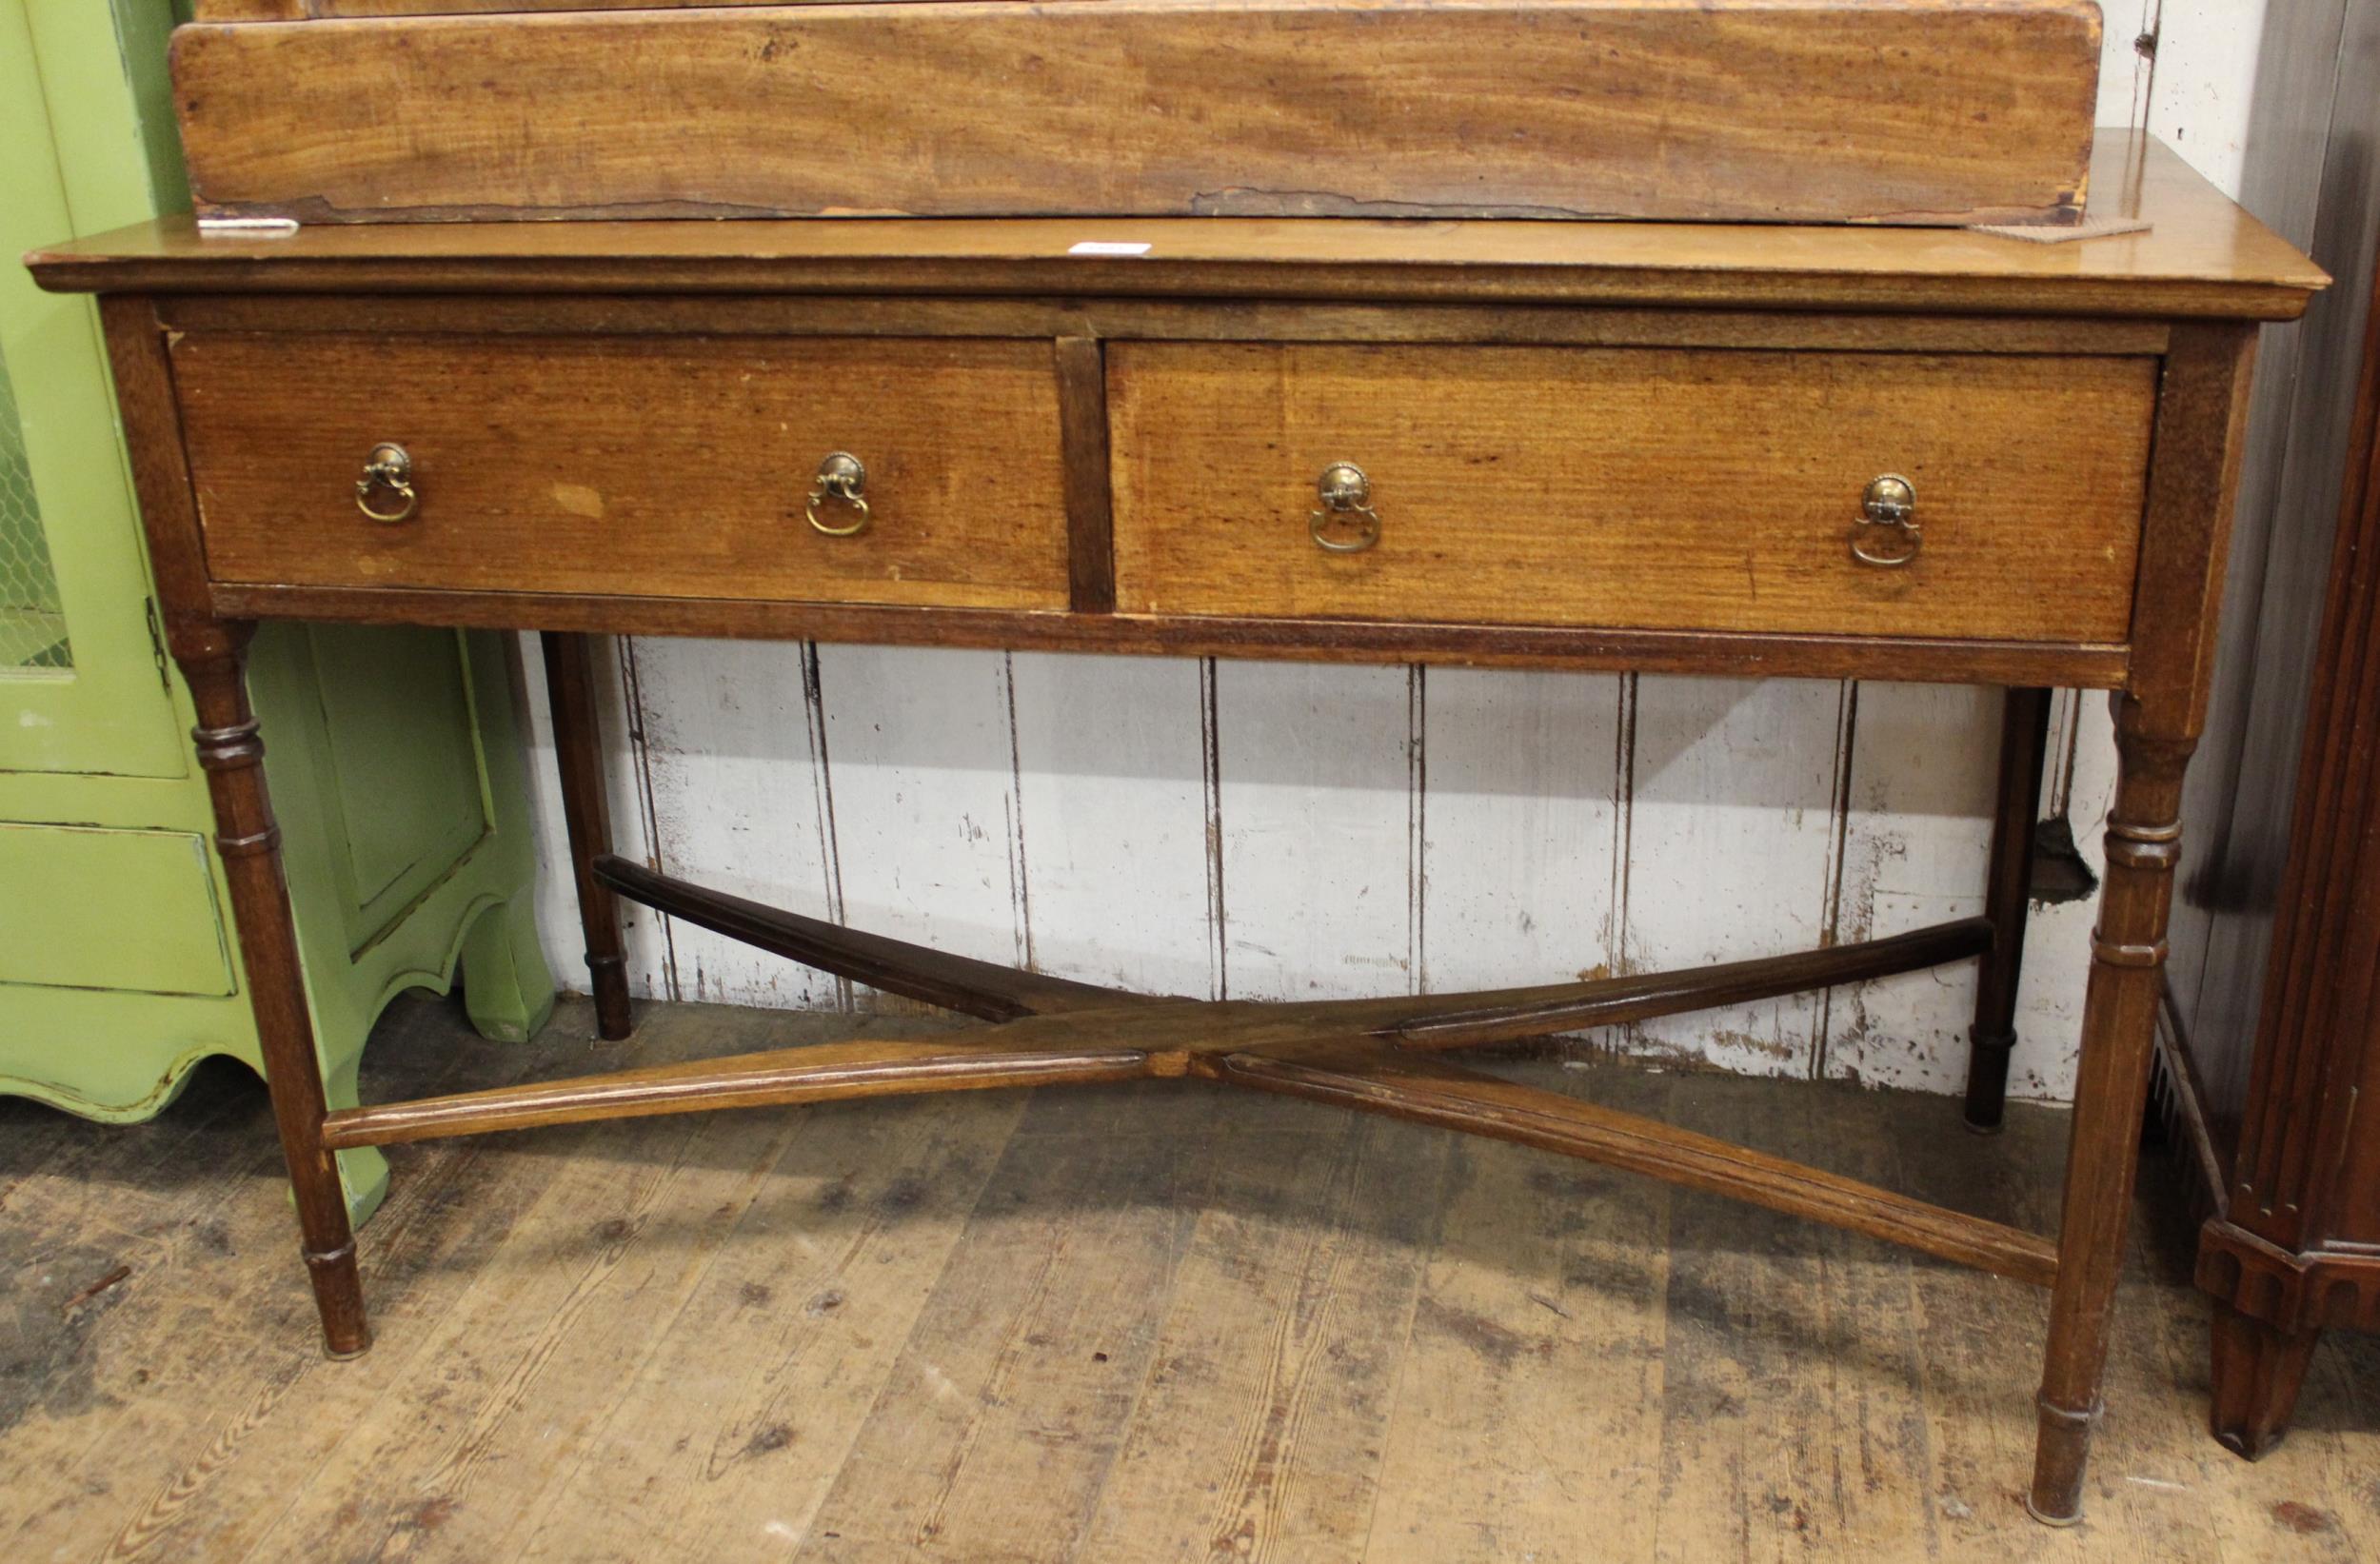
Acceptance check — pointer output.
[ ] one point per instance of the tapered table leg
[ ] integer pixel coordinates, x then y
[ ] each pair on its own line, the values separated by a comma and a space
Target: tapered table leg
2024, 736
2258, 1370
579, 753
2194, 478
2118, 1032
213, 659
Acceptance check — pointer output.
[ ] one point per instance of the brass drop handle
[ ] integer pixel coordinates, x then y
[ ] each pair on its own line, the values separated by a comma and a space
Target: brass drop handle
839, 480
387, 467
1344, 491
1889, 505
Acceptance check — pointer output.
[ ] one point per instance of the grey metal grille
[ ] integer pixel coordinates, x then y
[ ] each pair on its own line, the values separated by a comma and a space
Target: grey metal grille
32, 627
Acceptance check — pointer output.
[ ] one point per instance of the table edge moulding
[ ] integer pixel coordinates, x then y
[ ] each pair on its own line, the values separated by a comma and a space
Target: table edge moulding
243, 369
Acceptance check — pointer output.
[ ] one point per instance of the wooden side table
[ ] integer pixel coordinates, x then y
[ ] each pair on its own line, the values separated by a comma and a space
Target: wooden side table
1898, 453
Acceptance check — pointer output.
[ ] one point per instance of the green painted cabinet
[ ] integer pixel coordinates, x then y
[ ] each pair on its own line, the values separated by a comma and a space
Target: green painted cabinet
394, 759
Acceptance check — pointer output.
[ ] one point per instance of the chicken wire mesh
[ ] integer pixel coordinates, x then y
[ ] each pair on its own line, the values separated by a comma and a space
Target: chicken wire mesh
32, 629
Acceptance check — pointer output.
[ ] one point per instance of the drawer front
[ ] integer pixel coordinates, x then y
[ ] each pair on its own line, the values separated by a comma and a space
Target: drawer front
671, 468
1697, 489
109, 909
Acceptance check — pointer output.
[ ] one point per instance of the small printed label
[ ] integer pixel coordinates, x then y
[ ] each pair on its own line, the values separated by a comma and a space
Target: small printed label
1108, 247
247, 227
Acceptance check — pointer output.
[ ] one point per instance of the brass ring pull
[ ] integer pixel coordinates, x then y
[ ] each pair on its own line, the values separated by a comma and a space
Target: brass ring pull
1344, 491
387, 467
839, 477
1890, 502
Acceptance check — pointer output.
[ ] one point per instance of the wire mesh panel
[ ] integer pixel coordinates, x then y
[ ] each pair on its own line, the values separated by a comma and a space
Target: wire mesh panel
32, 629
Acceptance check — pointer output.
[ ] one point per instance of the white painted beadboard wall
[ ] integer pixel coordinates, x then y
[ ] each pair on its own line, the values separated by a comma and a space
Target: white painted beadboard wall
1264, 830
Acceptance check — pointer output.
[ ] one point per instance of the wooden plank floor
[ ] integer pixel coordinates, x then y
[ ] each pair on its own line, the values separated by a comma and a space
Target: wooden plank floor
1138, 1323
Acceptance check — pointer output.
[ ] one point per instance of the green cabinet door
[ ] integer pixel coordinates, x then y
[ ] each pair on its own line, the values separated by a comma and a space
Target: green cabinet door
83, 673
393, 755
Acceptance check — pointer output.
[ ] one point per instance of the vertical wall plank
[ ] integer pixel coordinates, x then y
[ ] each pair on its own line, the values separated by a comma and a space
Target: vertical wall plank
1111, 783
1731, 850
735, 805
920, 772
2125, 72
2057, 936
1316, 802
1520, 827
2206, 80
1916, 840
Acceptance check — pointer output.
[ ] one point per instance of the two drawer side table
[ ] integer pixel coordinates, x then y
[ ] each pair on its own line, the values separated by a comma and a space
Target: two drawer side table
1832, 452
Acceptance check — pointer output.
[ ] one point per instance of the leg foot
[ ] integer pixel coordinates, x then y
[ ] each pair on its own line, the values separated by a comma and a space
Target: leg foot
2058, 1521
614, 1019
1987, 1065
507, 990
2024, 736
339, 1298
2061, 1448
2258, 1368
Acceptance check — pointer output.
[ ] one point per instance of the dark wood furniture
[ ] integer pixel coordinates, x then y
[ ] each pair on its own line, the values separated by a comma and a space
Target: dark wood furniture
1908, 454
2279, 1116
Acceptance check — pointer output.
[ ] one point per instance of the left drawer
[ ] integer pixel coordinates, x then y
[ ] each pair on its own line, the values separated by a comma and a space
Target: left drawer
645, 467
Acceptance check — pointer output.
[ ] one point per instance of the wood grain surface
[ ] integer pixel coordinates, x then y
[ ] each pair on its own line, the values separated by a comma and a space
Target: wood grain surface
586, 816
1378, 1078
1922, 659
619, 465
1685, 491
1077, 322
1829, 110
1112, 1325
323, 10
2201, 254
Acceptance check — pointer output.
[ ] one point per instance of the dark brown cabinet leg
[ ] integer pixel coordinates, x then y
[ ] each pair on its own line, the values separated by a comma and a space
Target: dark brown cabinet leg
2024, 736
2119, 1018
213, 659
2258, 1370
579, 753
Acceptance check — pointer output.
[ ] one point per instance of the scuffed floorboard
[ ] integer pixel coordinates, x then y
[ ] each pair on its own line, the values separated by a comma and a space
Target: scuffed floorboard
1118, 1324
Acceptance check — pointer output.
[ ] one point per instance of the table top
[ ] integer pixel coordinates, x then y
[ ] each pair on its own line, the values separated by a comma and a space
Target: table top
2203, 255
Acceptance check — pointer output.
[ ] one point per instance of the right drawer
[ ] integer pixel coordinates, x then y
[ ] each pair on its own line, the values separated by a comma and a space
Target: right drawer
1645, 489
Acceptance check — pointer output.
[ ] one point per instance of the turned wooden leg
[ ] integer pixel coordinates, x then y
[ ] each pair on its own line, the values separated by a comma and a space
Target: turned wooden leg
2258, 1370
213, 659
2112, 1086
579, 755
2024, 736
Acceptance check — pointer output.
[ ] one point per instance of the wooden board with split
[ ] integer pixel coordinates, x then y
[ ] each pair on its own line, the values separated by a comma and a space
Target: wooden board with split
1897, 112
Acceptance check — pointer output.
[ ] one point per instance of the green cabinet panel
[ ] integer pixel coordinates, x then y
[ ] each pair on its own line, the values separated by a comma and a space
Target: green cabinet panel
82, 679
393, 756
92, 909
402, 792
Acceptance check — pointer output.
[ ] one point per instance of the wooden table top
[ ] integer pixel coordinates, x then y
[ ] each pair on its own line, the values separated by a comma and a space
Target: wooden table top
2203, 255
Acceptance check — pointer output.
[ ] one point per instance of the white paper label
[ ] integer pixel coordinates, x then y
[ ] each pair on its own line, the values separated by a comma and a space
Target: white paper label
247, 227
1108, 246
